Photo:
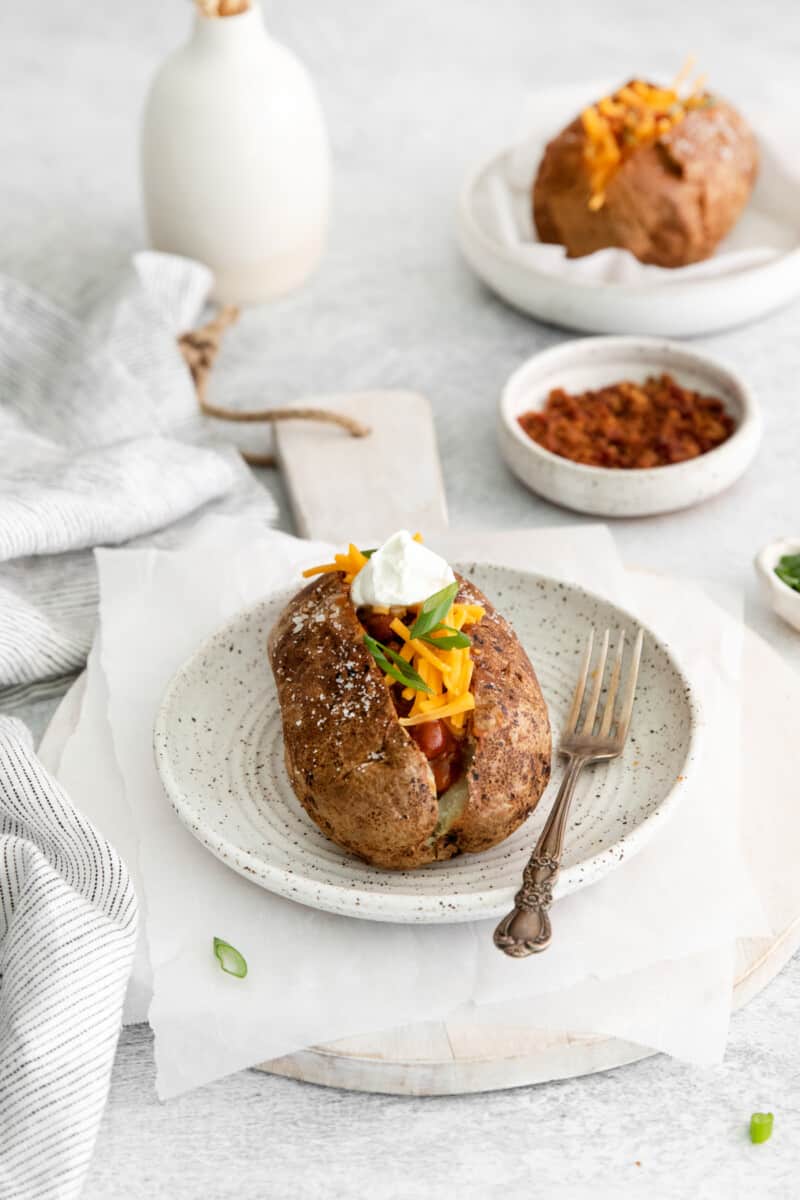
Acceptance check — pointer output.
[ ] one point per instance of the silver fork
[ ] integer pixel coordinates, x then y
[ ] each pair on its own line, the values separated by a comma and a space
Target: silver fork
526, 930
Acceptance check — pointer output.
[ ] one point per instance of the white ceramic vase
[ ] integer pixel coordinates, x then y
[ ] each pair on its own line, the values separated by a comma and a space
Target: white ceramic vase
235, 159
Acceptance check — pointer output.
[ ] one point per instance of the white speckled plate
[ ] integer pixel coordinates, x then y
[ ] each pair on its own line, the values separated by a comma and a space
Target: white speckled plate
219, 751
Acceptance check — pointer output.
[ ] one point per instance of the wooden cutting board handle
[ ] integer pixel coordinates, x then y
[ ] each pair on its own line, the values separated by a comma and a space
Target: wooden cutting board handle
361, 489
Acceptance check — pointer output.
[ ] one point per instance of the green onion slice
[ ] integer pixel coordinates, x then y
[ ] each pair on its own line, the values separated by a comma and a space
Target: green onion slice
446, 638
434, 610
788, 570
231, 961
394, 665
761, 1127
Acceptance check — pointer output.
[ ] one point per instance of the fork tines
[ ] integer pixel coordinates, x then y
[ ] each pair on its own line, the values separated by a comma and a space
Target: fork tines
620, 719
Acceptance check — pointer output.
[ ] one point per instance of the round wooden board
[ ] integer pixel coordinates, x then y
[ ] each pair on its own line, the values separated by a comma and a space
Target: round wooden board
434, 1060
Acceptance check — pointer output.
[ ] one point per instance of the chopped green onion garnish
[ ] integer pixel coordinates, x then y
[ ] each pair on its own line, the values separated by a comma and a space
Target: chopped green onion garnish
446, 638
394, 665
761, 1127
434, 610
231, 961
788, 570
369, 553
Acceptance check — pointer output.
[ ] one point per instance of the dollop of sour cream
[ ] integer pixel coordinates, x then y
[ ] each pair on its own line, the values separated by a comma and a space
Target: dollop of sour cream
401, 573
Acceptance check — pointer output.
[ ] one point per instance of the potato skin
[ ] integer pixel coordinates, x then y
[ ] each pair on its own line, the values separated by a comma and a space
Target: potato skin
356, 771
670, 203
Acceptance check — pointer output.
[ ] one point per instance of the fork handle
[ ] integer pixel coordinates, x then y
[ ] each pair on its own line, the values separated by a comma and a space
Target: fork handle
526, 930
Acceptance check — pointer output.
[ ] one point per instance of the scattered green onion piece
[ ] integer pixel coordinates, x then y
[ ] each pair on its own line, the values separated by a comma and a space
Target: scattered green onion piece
369, 553
394, 665
453, 639
788, 570
231, 961
434, 610
761, 1127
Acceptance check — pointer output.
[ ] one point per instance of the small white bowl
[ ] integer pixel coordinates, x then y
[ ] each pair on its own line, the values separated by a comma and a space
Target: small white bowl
783, 599
590, 363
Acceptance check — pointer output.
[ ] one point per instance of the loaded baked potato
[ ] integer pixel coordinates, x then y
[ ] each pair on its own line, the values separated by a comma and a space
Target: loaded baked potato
398, 775
648, 171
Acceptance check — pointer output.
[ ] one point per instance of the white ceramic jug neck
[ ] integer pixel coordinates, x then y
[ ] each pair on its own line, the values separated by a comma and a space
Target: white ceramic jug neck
223, 33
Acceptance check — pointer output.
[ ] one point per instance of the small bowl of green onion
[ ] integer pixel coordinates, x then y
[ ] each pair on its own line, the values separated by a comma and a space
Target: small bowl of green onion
778, 567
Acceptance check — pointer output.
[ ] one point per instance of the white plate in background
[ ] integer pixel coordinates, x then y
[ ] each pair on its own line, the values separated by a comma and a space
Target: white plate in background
755, 270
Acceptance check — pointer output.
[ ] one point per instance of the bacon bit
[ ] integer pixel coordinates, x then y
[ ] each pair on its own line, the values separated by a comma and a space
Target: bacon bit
629, 425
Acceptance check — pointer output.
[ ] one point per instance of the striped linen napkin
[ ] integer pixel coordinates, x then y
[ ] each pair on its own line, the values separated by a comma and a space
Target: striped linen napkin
101, 443
67, 937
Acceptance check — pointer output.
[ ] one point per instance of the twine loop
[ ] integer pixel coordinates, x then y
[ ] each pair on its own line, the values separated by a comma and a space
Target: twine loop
200, 348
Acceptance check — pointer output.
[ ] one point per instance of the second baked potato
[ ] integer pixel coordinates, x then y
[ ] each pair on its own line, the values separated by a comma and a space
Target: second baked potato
647, 172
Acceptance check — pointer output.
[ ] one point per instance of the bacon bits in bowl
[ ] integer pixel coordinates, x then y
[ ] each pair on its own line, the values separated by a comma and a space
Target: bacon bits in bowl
627, 426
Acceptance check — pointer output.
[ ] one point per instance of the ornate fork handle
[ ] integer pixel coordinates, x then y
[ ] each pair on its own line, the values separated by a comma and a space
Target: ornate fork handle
526, 930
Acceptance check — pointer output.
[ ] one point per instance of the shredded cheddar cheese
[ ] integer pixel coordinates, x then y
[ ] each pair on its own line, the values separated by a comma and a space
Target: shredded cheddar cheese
448, 673
636, 115
350, 564
452, 709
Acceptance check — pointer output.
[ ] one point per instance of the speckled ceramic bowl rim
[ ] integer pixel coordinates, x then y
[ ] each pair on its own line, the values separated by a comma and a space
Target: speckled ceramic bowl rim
475, 905
659, 352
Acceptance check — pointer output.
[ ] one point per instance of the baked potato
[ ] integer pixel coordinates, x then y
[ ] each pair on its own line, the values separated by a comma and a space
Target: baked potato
644, 170
372, 784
